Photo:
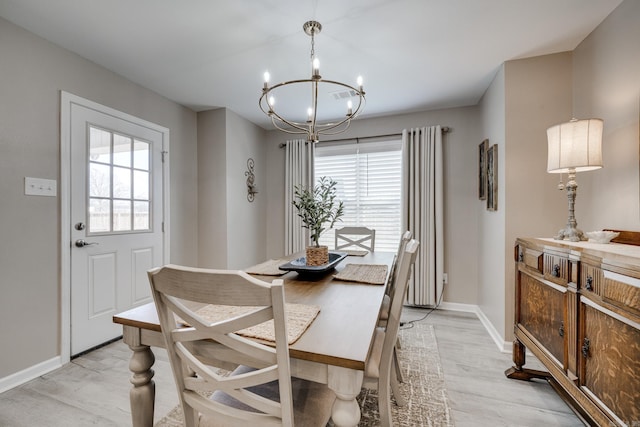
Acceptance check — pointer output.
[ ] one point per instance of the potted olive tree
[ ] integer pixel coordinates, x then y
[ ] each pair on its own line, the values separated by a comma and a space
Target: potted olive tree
319, 210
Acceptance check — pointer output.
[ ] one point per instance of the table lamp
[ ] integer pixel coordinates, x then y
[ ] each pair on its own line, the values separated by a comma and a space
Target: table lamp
575, 146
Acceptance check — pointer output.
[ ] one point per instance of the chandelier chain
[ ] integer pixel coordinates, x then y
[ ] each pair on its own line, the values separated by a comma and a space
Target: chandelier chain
313, 45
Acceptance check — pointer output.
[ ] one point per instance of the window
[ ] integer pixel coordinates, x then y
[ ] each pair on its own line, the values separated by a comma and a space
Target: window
118, 183
369, 176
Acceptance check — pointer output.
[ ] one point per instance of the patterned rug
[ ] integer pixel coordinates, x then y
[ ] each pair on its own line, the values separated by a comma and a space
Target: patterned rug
424, 387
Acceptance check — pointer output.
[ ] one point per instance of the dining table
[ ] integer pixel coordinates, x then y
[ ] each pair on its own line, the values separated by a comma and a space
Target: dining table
333, 350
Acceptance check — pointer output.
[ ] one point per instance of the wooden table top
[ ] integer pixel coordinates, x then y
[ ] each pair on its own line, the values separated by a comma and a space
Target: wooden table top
342, 332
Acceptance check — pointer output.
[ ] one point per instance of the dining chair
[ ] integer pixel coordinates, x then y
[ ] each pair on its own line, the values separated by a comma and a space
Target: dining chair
259, 390
361, 237
379, 373
386, 301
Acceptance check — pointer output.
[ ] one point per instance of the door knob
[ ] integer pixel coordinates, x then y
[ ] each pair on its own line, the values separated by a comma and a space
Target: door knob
81, 243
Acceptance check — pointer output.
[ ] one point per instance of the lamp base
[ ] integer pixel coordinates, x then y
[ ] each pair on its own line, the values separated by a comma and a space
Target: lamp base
571, 234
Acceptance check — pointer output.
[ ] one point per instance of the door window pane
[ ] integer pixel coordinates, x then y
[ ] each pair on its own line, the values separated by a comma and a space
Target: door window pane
99, 180
141, 215
141, 155
121, 150
99, 145
141, 185
118, 183
122, 183
121, 215
99, 215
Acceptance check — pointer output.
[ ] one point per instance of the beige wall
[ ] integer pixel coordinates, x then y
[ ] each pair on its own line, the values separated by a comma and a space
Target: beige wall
231, 230
525, 98
246, 221
490, 250
32, 73
212, 190
537, 96
460, 189
606, 84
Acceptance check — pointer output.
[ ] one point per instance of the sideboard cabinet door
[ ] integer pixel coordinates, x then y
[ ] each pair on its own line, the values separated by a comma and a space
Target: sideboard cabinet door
610, 361
543, 314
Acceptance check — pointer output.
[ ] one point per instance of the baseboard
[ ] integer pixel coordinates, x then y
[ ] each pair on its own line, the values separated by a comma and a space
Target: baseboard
30, 373
503, 346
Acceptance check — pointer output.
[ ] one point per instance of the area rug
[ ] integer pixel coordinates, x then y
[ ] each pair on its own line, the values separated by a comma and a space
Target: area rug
423, 388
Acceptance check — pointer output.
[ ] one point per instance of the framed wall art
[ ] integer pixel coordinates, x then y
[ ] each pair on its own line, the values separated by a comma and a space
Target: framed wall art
482, 169
492, 178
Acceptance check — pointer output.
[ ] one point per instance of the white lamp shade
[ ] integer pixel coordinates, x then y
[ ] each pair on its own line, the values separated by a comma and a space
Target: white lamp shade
575, 145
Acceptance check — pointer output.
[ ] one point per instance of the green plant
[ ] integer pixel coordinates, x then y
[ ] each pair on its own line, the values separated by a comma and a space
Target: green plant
318, 206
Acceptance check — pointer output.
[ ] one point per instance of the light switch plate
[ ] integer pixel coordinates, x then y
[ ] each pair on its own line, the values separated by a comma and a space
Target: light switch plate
40, 187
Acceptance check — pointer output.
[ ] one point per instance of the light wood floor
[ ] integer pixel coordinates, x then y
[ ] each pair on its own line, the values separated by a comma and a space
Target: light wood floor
92, 390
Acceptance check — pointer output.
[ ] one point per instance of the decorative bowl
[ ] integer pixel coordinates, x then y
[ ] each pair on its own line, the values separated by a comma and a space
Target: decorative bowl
601, 236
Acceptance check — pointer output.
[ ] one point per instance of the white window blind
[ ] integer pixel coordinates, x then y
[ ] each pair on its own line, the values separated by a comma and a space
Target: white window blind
369, 183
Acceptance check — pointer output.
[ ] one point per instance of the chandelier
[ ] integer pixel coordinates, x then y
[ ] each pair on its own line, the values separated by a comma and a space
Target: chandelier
312, 128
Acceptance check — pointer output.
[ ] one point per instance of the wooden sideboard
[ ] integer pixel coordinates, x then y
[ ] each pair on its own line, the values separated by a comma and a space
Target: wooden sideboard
577, 309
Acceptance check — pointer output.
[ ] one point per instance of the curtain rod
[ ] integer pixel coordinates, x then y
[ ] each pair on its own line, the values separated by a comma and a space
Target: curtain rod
445, 129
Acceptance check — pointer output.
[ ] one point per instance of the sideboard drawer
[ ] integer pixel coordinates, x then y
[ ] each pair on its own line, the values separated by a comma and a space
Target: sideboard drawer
556, 269
622, 291
591, 279
533, 259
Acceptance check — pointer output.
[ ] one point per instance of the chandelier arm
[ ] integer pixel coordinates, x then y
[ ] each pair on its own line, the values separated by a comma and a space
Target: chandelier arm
274, 115
294, 132
292, 125
324, 129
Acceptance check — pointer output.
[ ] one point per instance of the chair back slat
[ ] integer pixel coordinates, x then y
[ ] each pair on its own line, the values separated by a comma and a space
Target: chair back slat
361, 237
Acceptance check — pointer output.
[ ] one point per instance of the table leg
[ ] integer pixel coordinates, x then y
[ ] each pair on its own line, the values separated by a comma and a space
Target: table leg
142, 395
346, 383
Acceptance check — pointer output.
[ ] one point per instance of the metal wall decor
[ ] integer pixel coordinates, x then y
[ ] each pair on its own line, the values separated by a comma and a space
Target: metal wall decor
252, 190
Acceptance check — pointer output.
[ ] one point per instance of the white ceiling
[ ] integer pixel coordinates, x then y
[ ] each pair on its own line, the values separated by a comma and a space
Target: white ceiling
414, 55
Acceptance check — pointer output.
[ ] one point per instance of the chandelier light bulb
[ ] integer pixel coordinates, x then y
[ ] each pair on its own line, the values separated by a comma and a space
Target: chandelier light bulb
266, 80
349, 107
316, 67
359, 81
309, 114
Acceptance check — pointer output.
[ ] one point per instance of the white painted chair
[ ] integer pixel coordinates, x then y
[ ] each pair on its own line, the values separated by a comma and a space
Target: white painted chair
355, 237
259, 391
386, 301
379, 372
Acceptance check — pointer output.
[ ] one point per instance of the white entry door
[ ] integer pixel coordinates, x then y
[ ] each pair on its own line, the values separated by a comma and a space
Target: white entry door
116, 214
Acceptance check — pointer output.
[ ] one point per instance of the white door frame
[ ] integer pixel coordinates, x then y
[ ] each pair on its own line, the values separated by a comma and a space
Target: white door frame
66, 101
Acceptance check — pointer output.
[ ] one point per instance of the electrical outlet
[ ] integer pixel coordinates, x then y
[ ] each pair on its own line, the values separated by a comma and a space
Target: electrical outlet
445, 278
